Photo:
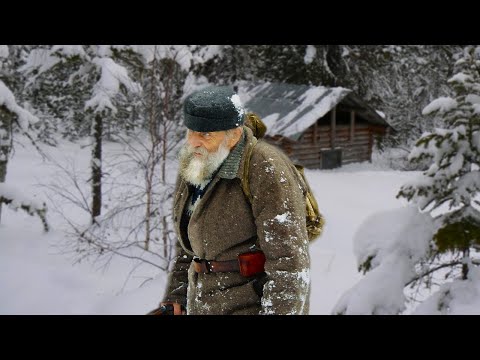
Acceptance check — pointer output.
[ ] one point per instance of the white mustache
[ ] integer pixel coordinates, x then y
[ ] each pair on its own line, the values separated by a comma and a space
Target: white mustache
199, 150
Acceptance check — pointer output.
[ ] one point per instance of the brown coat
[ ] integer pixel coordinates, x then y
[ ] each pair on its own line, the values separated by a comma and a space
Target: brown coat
224, 224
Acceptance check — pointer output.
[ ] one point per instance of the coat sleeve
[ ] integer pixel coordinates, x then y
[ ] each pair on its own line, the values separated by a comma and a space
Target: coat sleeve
279, 210
177, 282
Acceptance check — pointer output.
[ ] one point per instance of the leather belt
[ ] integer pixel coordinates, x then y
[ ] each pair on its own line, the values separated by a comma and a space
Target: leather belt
211, 266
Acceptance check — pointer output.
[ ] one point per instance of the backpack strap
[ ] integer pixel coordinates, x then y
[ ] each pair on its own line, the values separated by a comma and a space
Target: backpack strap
246, 170
246, 190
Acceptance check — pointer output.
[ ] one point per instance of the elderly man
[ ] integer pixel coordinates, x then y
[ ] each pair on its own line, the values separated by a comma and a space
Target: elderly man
235, 256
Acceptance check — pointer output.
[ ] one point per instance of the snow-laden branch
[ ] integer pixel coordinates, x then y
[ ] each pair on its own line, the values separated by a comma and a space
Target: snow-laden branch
24, 117
390, 243
17, 200
112, 76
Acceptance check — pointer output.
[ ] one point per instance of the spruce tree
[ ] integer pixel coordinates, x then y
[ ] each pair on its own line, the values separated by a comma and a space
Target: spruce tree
429, 253
451, 185
92, 73
399, 80
13, 118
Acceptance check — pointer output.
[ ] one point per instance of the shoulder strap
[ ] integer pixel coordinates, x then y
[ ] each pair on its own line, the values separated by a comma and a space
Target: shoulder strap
246, 170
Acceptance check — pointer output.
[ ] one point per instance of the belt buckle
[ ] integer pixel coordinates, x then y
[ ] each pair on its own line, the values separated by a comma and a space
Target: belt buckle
208, 266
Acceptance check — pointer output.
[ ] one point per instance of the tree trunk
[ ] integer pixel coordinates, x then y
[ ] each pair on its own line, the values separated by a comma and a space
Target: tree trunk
151, 159
466, 254
97, 166
6, 118
166, 113
166, 254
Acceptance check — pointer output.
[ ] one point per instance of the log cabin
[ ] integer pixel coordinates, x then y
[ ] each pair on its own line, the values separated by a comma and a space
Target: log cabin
317, 127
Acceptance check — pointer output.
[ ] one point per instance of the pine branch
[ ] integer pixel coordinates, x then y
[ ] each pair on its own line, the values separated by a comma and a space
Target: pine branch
40, 151
430, 271
28, 209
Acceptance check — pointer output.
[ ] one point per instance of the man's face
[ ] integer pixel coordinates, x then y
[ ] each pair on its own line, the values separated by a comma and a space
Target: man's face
203, 153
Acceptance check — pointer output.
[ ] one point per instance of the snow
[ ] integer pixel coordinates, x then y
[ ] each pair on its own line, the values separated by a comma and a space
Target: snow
3, 51
193, 83
19, 199
472, 99
442, 104
106, 50
282, 218
476, 109
394, 241
48, 281
400, 232
451, 155
311, 96
377, 294
207, 52
24, 117
36, 279
301, 106
42, 60
235, 99
180, 53
270, 120
112, 76
456, 297
310, 54
460, 78
69, 50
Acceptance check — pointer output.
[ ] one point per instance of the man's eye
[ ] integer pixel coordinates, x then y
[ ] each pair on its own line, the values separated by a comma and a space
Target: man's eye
206, 134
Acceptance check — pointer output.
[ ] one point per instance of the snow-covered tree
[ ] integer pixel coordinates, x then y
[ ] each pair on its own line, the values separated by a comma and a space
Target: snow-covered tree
102, 79
298, 64
136, 222
437, 238
387, 245
452, 182
399, 80
164, 71
54, 95
12, 115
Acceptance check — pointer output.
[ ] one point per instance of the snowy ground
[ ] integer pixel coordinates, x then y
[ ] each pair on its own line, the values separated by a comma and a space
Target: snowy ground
346, 196
36, 279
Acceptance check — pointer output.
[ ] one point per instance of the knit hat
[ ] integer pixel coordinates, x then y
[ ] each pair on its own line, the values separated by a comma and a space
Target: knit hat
214, 108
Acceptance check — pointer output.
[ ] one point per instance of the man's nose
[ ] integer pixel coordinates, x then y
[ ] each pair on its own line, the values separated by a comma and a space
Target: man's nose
194, 140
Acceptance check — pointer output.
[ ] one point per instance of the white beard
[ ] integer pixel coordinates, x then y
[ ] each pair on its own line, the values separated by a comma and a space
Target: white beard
199, 171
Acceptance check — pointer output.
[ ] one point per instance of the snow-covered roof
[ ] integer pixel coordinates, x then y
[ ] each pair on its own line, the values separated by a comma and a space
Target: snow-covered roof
288, 109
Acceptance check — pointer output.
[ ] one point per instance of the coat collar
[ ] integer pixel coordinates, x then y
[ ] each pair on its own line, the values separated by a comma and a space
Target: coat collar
232, 167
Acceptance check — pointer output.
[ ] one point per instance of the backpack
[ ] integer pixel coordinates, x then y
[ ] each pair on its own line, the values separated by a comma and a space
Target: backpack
314, 219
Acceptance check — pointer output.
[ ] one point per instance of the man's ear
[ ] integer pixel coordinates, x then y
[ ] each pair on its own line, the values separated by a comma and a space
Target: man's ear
237, 134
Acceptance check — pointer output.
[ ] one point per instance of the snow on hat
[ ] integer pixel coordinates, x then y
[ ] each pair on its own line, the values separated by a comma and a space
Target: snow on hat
214, 108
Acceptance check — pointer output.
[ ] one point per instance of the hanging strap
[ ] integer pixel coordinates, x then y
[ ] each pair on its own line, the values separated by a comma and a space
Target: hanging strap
246, 170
